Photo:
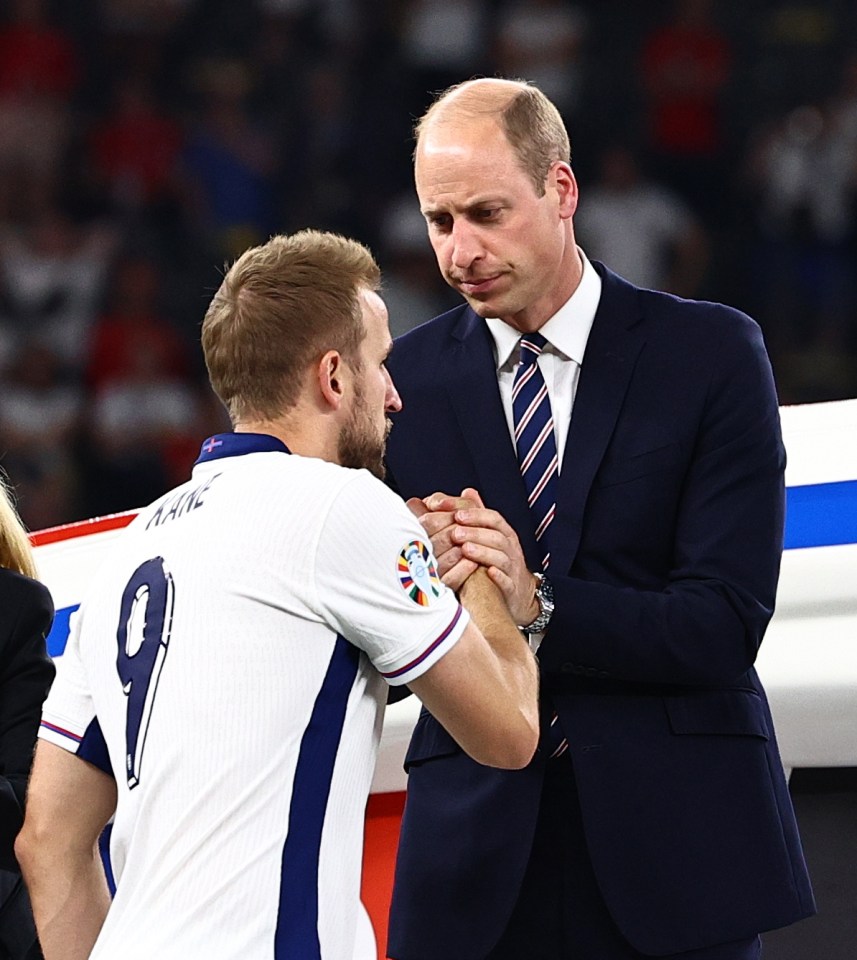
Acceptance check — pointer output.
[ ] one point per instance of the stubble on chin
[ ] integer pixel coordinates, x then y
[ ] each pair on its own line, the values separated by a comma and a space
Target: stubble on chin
361, 451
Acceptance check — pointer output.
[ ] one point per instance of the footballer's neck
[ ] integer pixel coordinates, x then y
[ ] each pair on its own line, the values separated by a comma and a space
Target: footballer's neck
305, 435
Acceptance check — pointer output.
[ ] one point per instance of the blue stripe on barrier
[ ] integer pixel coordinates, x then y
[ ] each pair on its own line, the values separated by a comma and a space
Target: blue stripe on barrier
817, 515
58, 637
821, 514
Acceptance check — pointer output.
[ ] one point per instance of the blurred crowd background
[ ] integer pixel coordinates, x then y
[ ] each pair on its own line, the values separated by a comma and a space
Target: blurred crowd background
144, 143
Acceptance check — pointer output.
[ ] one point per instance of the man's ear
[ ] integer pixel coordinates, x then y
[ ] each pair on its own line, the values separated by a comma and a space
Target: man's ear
331, 378
563, 179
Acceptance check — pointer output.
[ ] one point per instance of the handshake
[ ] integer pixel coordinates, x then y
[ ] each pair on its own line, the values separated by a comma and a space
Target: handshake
467, 537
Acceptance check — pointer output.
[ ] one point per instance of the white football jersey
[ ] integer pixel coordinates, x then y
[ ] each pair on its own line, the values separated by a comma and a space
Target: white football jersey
228, 667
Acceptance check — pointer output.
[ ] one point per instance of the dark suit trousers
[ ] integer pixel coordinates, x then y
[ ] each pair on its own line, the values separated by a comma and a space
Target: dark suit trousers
560, 914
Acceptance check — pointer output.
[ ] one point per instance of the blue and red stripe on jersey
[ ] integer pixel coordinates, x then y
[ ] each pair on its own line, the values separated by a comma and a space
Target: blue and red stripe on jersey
427, 652
62, 731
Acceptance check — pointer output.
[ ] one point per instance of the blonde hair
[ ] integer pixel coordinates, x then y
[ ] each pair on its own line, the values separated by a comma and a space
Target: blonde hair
15, 550
281, 305
530, 121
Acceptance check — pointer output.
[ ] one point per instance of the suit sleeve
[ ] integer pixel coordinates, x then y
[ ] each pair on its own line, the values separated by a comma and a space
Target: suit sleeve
705, 624
27, 672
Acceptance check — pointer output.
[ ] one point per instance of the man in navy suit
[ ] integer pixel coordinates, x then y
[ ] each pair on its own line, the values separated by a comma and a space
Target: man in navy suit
655, 820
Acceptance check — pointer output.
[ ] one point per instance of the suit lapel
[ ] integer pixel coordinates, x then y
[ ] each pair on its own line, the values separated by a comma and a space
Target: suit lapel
470, 379
611, 353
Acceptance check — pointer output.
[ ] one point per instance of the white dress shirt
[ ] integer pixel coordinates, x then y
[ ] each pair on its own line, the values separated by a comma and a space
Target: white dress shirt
566, 332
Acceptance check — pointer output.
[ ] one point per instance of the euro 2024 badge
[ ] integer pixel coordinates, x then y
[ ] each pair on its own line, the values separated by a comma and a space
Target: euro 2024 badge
418, 574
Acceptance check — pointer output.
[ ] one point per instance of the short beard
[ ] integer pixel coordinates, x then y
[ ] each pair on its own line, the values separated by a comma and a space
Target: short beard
357, 448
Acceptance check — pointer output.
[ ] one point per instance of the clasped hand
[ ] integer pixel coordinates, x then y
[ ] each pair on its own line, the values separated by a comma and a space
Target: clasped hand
466, 535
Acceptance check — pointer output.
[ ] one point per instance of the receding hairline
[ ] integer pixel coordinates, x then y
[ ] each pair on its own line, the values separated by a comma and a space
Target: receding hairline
484, 97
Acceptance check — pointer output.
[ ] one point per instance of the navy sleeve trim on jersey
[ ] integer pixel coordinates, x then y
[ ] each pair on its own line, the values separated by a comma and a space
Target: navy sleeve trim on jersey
93, 749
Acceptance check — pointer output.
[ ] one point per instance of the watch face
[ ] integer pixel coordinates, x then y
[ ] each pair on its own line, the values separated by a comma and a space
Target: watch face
544, 591
544, 595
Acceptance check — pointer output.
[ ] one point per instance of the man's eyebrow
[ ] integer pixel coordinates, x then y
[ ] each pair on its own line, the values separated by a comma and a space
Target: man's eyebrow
482, 201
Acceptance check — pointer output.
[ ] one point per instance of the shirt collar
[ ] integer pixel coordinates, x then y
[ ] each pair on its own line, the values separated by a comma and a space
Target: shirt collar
567, 330
237, 444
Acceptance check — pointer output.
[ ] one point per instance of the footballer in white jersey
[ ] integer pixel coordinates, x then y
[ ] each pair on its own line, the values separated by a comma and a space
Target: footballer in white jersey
229, 671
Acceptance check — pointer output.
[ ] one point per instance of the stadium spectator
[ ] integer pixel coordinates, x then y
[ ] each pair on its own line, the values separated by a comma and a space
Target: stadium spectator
411, 291
143, 16
134, 325
641, 229
39, 73
40, 417
144, 407
267, 600
439, 40
142, 432
843, 102
543, 40
686, 64
36, 57
803, 176
54, 271
134, 149
322, 159
229, 162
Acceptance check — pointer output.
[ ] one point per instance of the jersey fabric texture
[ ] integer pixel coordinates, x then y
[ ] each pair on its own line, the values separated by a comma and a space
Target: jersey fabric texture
228, 668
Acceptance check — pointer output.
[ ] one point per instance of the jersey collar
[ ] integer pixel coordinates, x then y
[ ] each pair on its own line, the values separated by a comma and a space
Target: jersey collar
237, 444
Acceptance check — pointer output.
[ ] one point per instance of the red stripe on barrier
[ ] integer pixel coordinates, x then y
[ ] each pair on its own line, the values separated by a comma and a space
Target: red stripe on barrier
82, 528
383, 821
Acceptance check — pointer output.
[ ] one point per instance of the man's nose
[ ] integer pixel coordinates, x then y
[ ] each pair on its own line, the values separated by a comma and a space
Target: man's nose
466, 245
392, 400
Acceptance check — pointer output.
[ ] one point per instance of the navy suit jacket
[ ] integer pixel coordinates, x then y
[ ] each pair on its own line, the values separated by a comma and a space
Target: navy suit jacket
665, 562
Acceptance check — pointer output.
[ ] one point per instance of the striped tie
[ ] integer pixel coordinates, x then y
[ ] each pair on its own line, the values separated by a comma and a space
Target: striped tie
535, 442
534, 439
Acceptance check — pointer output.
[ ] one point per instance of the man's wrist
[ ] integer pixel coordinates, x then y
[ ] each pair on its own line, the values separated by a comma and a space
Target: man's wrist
544, 599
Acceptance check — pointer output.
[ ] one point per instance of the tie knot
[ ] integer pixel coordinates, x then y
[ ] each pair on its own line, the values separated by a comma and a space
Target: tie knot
532, 345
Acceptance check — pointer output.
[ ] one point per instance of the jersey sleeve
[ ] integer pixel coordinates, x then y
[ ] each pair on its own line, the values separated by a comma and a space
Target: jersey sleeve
68, 714
377, 582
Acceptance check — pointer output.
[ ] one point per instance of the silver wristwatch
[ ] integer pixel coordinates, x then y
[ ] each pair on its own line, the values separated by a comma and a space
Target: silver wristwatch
544, 595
